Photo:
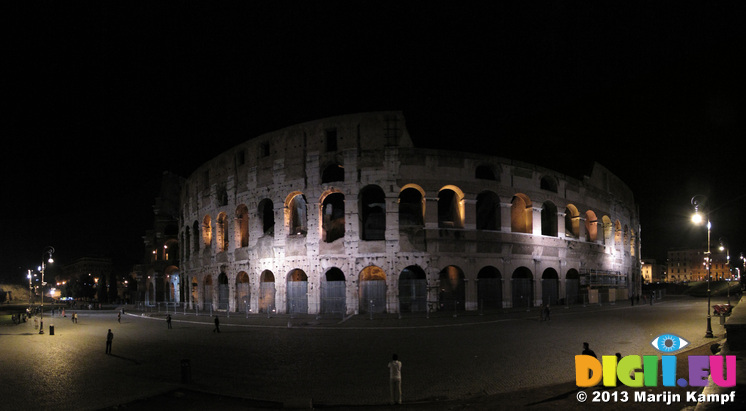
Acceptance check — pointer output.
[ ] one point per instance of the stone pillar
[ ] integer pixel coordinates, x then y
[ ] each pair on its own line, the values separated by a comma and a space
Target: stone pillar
505, 222
536, 220
470, 214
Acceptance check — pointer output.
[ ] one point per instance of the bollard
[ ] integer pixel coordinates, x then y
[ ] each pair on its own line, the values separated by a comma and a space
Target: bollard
51, 329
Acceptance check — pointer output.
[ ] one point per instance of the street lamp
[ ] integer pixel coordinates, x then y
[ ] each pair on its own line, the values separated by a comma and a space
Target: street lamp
724, 247
46, 257
698, 218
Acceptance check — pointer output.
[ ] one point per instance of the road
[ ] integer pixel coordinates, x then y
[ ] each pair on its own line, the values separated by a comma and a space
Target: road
328, 361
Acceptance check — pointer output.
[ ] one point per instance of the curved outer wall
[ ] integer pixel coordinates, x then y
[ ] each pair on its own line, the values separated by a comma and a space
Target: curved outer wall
344, 215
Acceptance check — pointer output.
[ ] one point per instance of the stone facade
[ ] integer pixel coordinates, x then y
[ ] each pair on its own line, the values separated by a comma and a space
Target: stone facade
344, 215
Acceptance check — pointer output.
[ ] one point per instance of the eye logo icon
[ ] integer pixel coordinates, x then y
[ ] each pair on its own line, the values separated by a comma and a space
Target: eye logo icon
668, 343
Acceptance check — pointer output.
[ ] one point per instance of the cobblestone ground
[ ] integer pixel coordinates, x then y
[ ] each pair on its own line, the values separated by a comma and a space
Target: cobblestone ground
449, 362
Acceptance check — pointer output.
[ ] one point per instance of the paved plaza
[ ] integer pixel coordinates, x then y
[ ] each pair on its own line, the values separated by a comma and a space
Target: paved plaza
451, 362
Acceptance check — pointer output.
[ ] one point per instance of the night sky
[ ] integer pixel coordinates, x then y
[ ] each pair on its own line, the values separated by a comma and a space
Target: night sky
101, 98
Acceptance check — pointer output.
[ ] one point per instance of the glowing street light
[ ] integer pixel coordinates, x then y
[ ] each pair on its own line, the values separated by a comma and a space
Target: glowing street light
724, 247
698, 218
46, 258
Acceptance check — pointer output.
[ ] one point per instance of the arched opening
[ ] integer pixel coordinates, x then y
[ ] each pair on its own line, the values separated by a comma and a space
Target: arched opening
333, 292
243, 292
521, 214
572, 222
550, 286
411, 209
194, 292
523, 288
207, 292
372, 290
549, 219
333, 173
187, 242
452, 292
412, 290
372, 213
195, 230
572, 286
617, 233
267, 292
450, 208
207, 231
484, 172
171, 250
296, 214
608, 228
591, 226
333, 217
242, 225
632, 243
297, 292
223, 291
266, 210
150, 293
548, 183
488, 211
174, 284
490, 288
222, 232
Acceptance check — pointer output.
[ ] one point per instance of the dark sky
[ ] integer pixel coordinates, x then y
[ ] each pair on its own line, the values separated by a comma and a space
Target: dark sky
101, 98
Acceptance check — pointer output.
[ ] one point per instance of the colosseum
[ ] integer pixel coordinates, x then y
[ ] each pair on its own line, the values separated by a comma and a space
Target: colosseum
344, 215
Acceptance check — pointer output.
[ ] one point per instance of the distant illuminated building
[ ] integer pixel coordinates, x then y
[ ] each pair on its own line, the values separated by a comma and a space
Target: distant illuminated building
690, 265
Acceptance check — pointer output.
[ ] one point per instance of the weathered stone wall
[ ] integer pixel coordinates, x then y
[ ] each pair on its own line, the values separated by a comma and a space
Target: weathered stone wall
374, 154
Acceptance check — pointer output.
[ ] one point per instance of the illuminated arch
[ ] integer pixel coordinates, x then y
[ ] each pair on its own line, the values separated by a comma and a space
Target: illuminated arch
572, 221
296, 213
591, 226
521, 214
450, 207
207, 231
242, 226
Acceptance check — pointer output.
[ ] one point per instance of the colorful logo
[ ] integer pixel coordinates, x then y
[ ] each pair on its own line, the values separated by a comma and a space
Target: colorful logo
639, 371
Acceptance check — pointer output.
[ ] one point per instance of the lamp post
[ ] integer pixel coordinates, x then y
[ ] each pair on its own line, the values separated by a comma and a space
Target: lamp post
724, 247
46, 257
697, 218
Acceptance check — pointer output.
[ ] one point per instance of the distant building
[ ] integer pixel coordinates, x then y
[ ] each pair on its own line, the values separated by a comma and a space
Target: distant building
652, 271
87, 272
689, 265
161, 259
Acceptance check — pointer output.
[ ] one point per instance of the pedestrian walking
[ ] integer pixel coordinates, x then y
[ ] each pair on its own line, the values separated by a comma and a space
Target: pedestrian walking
588, 351
119, 317
395, 380
546, 312
109, 339
217, 325
168, 321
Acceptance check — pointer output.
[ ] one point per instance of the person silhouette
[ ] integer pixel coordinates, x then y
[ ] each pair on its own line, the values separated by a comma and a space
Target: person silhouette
395, 379
109, 339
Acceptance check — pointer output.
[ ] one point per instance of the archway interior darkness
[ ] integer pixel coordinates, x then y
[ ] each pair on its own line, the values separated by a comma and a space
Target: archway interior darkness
452, 295
223, 291
333, 292
523, 287
267, 213
333, 217
372, 290
413, 290
550, 287
297, 292
489, 288
267, 292
372, 213
243, 292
